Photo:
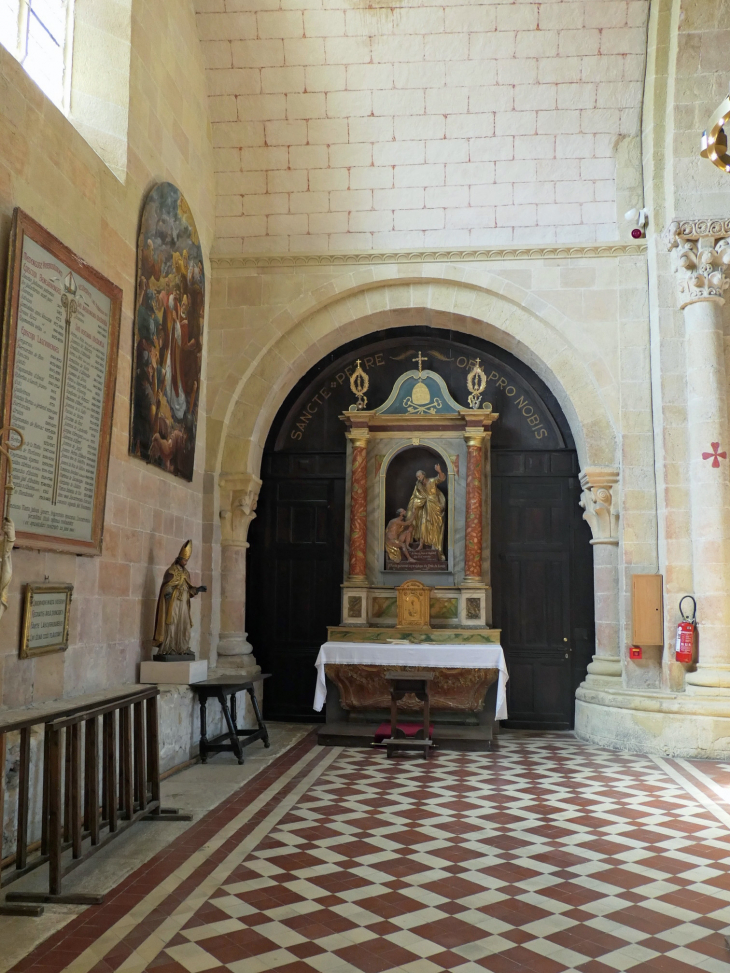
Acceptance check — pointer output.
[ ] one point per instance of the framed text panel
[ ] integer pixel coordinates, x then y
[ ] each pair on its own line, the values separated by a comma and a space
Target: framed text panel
45, 619
58, 370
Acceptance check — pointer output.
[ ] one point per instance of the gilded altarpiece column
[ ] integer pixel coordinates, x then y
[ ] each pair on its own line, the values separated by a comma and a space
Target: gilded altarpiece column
475, 437
358, 507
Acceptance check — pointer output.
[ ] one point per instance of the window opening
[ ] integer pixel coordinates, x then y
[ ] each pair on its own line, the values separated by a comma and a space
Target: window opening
39, 33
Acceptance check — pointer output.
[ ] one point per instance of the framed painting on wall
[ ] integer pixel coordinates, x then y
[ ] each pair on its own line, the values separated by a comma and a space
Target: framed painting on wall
58, 370
168, 334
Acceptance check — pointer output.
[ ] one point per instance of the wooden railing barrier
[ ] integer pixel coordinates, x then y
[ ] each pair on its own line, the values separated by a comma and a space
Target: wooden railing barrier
101, 774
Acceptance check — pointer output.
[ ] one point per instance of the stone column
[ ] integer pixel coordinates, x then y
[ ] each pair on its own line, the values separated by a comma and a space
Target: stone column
358, 507
701, 257
474, 504
599, 501
239, 494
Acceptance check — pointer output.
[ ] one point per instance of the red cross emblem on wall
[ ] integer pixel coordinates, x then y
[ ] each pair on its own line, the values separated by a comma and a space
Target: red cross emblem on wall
715, 456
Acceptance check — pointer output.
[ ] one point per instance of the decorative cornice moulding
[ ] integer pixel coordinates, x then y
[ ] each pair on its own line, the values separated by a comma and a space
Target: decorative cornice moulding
696, 230
236, 261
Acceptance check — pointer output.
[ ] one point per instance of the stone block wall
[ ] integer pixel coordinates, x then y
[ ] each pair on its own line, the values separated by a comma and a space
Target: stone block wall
48, 169
429, 124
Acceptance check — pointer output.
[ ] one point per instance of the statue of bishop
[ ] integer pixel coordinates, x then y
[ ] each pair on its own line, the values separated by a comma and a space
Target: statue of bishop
173, 621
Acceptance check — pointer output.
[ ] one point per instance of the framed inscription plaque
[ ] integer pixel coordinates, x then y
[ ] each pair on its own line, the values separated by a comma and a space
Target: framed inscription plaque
58, 371
45, 619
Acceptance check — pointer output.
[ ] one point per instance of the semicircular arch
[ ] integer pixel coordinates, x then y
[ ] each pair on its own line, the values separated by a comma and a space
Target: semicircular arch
500, 312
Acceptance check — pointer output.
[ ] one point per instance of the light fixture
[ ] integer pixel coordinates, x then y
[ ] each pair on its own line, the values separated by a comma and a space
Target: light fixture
714, 140
640, 219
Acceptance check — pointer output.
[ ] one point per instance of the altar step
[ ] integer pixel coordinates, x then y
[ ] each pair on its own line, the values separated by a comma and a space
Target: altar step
445, 736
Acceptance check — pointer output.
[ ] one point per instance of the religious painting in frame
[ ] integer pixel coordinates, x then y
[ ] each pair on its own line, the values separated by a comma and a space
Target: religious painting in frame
58, 370
168, 334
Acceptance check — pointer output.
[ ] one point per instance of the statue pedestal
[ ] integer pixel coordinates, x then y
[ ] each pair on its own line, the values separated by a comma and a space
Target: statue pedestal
174, 673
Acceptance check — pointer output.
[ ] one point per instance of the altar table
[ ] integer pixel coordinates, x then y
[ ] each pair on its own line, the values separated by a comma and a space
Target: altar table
418, 655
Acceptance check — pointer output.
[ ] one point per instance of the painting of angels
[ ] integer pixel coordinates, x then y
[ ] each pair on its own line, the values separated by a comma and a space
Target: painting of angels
168, 334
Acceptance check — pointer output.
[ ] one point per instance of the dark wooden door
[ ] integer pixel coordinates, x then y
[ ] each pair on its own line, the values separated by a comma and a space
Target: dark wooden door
540, 553
294, 590
542, 571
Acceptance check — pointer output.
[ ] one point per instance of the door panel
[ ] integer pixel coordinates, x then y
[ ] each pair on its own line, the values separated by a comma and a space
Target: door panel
542, 577
540, 550
294, 586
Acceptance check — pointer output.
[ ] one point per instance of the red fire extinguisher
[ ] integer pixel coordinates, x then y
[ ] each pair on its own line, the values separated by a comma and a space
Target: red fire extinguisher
684, 649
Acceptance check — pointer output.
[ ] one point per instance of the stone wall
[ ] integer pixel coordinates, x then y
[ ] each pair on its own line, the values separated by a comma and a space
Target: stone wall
48, 169
358, 126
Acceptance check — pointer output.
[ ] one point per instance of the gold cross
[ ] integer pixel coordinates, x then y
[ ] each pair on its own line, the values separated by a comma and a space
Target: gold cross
420, 361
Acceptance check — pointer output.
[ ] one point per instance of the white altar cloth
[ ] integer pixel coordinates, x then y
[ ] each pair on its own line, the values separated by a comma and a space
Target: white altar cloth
422, 655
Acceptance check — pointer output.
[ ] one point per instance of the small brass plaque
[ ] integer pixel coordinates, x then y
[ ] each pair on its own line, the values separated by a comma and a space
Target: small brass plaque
45, 619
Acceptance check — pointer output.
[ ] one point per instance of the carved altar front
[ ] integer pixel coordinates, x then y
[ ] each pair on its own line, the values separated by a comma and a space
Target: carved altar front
364, 688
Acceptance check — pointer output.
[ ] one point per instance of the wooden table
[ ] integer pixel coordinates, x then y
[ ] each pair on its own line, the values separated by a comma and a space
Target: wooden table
223, 688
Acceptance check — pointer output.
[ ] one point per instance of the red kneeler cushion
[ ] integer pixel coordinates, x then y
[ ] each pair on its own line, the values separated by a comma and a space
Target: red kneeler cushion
408, 729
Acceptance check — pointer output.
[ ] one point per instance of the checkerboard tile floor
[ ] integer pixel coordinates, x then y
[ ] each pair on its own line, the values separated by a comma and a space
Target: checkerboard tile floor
546, 856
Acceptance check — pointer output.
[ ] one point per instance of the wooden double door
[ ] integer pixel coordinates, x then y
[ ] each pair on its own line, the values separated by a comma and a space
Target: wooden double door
542, 579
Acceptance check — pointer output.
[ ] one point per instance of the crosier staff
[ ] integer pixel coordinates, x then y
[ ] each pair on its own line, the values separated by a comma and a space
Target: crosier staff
8, 530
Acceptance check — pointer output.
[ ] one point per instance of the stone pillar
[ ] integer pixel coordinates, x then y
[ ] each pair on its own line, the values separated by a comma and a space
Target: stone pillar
701, 258
239, 494
599, 501
358, 507
474, 504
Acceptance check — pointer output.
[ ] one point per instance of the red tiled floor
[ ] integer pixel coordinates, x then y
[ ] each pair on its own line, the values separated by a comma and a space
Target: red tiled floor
379, 863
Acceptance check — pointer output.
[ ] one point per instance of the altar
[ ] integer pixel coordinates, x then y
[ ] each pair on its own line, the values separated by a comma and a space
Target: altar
357, 668
417, 576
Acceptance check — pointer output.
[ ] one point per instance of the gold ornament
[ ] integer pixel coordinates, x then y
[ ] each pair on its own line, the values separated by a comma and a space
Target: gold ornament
476, 382
714, 140
420, 394
359, 383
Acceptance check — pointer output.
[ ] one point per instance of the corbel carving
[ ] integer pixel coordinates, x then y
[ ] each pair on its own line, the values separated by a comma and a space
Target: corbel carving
239, 494
599, 501
701, 258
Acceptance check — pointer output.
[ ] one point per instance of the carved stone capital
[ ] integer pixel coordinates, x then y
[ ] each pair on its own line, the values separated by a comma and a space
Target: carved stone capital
599, 501
239, 494
701, 258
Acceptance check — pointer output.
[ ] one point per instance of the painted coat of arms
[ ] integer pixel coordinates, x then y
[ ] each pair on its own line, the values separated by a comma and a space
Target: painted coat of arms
168, 334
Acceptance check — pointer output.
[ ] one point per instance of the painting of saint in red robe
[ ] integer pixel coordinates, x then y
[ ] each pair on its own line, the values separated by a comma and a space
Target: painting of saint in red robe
168, 334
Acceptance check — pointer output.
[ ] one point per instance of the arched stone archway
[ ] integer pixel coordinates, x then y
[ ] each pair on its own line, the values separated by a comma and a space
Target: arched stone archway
554, 346
569, 362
